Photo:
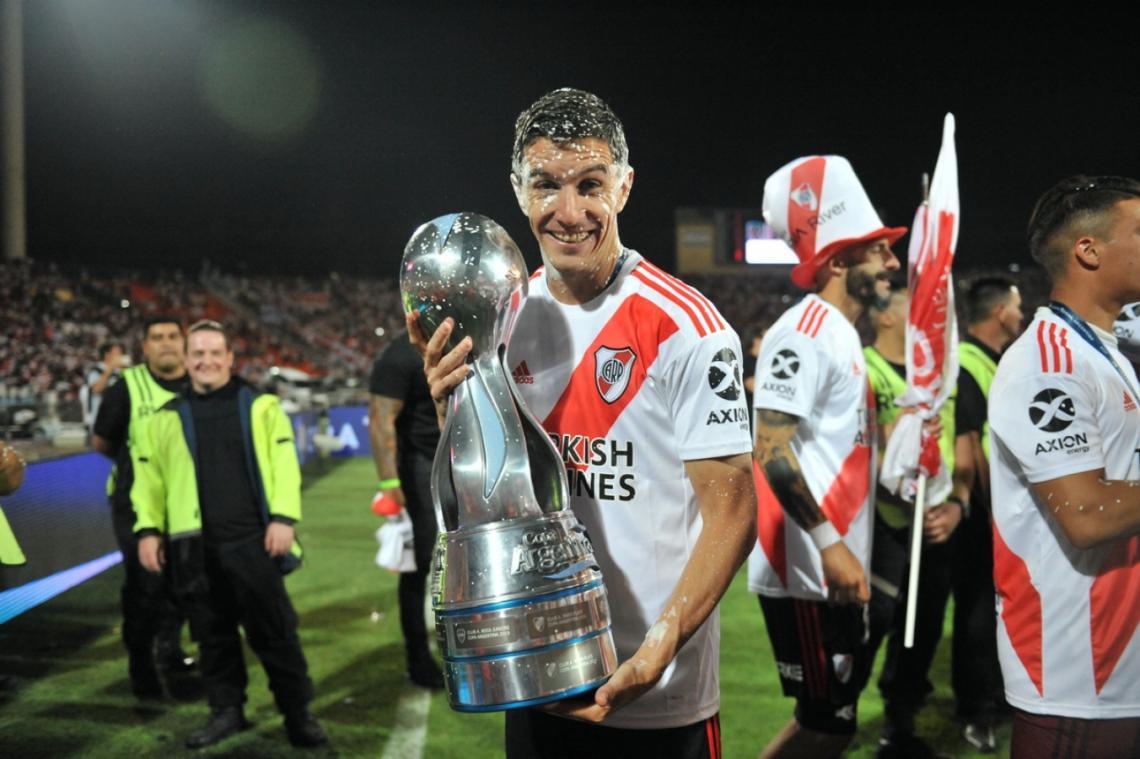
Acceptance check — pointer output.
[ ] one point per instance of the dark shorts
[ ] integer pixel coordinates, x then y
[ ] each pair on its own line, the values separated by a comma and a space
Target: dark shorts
534, 734
819, 649
1043, 735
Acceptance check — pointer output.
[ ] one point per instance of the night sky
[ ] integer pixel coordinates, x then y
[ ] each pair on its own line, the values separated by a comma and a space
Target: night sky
309, 137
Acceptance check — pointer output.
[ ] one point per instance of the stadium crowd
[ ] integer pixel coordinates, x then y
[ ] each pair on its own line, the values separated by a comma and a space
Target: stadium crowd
57, 318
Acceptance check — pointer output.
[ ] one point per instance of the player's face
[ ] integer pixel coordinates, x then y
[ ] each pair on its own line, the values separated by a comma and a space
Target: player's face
163, 347
208, 360
869, 274
572, 194
1121, 250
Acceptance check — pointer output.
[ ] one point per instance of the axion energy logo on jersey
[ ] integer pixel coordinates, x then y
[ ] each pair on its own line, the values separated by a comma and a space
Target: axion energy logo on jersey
612, 369
1051, 410
785, 364
724, 375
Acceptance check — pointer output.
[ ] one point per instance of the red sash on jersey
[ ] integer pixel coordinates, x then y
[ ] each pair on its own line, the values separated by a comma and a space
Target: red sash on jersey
1114, 610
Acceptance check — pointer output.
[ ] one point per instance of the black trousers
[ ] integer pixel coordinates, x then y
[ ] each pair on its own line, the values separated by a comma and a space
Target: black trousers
903, 681
148, 603
415, 479
975, 672
244, 587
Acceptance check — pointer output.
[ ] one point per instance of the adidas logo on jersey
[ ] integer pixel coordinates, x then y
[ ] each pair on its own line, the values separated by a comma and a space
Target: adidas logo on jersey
521, 374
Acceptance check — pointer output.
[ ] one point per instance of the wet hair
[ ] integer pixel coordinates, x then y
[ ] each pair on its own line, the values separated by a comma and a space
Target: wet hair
985, 293
1072, 207
565, 115
160, 319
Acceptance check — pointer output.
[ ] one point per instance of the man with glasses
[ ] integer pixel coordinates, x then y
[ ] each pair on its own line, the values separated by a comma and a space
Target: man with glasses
1064, 435
217, 492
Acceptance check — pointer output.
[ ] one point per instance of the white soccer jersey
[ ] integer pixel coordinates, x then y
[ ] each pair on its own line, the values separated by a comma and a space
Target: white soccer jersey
1066, 618
631, 386
811, 366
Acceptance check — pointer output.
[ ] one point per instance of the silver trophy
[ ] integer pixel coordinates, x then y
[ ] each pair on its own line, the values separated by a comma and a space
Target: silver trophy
520, 608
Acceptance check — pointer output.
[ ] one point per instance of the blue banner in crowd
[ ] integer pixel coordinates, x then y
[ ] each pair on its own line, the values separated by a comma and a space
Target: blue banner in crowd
340, 432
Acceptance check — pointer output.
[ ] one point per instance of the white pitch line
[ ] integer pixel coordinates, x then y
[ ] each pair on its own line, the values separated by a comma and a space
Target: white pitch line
410, 730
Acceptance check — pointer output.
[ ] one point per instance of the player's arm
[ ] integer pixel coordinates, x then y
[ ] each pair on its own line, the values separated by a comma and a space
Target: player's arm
727, 499
382, 413
773, 452
1089, 509
109, 431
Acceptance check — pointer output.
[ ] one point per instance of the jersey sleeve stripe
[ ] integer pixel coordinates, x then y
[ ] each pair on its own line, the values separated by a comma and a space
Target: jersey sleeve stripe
672, 298
537, 273
805, 316
823, 312
1041, 346
1056, 348
705, 305
1068, 353
672, 284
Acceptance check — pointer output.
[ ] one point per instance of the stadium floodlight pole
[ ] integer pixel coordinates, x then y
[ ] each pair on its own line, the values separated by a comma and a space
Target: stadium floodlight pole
12, 126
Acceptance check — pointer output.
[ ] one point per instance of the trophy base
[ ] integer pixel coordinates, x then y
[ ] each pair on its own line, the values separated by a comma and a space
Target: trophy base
532, 677
531, 624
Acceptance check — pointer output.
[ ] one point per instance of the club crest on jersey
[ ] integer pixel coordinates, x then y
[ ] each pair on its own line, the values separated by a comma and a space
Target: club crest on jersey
612, 370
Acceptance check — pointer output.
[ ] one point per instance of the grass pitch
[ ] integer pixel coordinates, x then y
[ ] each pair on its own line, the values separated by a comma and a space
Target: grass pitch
65, 691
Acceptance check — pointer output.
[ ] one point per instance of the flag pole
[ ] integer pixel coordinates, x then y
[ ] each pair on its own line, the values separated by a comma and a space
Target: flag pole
917, 519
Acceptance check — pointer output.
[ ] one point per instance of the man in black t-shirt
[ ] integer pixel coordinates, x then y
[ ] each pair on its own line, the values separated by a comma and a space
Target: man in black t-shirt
404, 432
994, 318
151, 621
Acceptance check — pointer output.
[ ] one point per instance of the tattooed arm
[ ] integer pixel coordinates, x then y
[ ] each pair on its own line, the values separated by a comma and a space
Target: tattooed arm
773, 451
382, 413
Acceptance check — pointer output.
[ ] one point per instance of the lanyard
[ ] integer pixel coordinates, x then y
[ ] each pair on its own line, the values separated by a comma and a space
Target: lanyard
1081, 327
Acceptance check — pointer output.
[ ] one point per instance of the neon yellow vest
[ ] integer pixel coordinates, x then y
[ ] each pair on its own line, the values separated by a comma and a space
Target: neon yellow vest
147, 397
982, 368
165, 490
887, 385
10, 552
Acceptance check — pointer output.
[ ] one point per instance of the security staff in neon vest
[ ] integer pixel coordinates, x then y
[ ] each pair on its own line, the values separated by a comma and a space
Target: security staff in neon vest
994, 319
152, 623
904, 681
218, 478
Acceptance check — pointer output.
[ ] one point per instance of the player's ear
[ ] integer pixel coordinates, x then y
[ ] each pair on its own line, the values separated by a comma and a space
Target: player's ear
1085, 250
623, 190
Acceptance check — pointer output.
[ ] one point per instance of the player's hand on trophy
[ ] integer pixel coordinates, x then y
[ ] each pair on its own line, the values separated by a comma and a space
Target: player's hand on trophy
846, 582
631, 679
443, 371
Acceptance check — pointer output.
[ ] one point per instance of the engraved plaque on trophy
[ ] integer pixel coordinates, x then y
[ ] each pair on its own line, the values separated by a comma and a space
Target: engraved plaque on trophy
520, 607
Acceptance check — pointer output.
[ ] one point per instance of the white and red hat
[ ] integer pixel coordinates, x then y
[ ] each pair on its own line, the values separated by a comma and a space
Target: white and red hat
818, 206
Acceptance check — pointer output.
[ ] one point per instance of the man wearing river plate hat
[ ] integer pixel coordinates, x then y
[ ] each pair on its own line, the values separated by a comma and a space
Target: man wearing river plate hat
815, 449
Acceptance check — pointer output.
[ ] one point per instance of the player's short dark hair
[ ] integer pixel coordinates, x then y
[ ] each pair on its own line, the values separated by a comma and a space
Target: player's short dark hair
983, 294
1073, 206
106, 348
568, 114
209, 325
160, 319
